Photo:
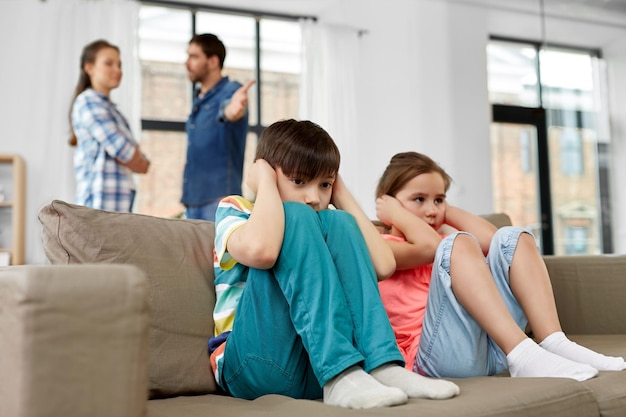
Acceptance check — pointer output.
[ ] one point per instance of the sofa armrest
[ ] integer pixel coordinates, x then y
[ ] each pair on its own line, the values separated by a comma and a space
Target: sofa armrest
73, 341
589, 292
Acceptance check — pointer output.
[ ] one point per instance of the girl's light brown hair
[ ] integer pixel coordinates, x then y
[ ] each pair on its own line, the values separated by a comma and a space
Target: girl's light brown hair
300, 149
405, 166
88, 56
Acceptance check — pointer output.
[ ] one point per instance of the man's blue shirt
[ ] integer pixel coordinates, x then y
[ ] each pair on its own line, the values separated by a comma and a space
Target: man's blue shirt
215, 147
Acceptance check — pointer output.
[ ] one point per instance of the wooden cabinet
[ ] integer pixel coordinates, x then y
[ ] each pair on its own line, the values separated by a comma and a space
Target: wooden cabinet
12, 208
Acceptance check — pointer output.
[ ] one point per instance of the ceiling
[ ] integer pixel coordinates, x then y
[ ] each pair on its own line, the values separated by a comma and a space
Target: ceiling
615, 6
612, 12
601, 6
618, 6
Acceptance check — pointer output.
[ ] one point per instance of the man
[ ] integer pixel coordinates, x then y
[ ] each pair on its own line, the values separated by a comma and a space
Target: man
216, 130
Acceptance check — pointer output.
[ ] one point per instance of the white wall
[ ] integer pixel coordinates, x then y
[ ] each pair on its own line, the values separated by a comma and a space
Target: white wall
418, 83
46, 38
422, 86
26, 52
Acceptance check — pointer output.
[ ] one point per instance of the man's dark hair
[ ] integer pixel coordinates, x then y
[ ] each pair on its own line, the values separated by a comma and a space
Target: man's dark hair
211, 45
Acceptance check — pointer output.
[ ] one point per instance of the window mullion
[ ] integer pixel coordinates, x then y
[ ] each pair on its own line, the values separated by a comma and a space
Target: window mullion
257, 69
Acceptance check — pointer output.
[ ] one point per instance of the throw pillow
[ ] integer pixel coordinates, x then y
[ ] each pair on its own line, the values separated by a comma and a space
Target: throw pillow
177, 257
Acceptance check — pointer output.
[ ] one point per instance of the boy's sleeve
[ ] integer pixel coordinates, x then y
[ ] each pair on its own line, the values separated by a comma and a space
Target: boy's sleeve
232, 213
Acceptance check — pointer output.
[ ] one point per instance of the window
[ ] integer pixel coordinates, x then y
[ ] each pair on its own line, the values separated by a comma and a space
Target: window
571, 152
526, 151
265, 47
512, 74
576, 240
549, 110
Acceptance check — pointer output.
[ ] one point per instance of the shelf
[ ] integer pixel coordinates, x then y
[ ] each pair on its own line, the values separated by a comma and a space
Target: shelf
13, 183
5, 257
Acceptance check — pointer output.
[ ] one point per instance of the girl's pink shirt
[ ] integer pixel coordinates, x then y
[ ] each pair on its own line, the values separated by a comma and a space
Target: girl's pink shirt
404, 295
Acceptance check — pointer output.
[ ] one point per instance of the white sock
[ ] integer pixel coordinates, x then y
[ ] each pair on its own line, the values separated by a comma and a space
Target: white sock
355, 388
528, 359
559, 344
414, 385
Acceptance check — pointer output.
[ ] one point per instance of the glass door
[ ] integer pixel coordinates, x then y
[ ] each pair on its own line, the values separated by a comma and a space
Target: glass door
521, 178
515, 174
576, 216
549, 144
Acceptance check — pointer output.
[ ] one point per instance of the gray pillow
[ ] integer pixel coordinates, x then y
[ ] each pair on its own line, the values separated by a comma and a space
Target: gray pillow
177, 257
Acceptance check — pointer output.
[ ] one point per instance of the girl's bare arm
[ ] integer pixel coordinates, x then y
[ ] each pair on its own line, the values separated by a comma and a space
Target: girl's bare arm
471, 223
381, 254
421, 240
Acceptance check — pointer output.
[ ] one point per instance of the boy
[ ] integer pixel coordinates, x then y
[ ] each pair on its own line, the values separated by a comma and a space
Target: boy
302, 280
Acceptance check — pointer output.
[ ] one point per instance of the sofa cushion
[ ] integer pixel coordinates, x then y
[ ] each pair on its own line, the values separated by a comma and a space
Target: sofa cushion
608, 387
480, 397
498, 219
177, 257
58, 330
584, 289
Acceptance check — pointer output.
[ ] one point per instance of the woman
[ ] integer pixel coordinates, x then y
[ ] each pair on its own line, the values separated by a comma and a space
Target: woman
106, 154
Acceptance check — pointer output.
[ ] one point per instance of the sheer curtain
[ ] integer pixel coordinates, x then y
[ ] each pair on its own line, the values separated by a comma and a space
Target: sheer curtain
41, 56
82, 21
328, 91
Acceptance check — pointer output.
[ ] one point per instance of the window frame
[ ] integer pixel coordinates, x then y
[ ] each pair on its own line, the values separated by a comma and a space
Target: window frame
541, 117
179, 126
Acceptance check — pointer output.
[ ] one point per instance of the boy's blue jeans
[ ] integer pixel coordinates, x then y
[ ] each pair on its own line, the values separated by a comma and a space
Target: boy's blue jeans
313, 315
453, 344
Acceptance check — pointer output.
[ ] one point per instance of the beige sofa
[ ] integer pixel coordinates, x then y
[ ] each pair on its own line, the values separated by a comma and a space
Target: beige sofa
131, 322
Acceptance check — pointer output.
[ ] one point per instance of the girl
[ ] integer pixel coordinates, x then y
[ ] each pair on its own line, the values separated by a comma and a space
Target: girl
298, 311
106, 153
459, 304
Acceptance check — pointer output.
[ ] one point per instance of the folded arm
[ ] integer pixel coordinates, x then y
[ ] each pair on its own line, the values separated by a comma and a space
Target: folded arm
138, 163
471, 223
421, 240
258, 242
101, 123
381, 254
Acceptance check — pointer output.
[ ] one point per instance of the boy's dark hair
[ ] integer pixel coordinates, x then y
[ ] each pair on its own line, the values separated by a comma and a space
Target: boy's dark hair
211, 45
299, 148
405, 166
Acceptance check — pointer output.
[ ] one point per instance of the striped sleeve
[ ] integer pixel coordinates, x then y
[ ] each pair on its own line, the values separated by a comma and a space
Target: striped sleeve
230, 276
231, 214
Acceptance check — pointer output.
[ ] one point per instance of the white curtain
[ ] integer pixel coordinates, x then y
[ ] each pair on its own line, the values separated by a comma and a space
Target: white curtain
328, 92
41, 56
